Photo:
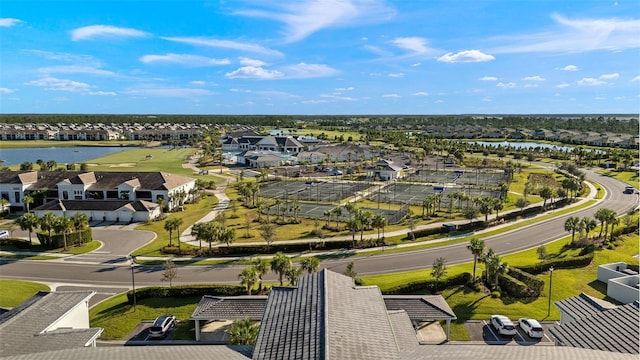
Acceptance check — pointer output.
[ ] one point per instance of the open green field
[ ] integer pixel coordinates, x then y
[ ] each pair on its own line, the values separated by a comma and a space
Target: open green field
13, 292
629, 177
167, 160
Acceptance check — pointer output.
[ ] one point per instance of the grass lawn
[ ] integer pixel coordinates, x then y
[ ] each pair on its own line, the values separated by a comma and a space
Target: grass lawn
167, 160
629, 177
468, 304
118, 319
13, 292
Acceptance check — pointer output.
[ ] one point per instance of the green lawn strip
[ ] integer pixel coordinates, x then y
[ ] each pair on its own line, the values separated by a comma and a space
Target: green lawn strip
118, 319
192, 213
629, 177
13, 292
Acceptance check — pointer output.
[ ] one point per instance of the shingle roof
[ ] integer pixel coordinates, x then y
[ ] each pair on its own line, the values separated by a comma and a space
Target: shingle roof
613, 330
326, 317
421, 307
582, 306
104, 205
403, 331
229, 308
25, 329
422, 352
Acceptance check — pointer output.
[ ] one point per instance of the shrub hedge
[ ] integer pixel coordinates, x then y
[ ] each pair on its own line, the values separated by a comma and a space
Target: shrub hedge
241, 250
430, 285
57, 240
186, 291
533, 283
514, 287
565, 263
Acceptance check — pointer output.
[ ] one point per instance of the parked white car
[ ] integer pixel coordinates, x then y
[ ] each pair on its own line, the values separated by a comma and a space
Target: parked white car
532, 327
503, 325
161, 326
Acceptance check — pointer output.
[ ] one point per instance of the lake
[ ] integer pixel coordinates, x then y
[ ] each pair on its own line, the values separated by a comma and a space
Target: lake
61, 155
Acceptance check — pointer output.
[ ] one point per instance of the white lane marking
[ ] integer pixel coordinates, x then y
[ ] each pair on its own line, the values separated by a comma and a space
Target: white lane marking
491, 330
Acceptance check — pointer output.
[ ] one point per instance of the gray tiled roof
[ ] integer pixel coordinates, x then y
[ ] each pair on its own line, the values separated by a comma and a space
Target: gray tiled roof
582, 306
22, 328
613, 330
326, 317
403, 330
105, 205
421, 307
422, 352
229, 308
293, 324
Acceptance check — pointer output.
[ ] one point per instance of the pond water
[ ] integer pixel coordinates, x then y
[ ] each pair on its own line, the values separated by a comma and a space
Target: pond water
73, 154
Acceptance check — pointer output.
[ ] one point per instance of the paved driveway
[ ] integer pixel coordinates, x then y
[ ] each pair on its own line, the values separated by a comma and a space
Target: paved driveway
482, 331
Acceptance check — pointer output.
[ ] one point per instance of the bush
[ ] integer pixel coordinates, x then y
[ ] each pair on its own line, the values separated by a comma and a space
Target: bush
18, 243
565, 263
430, 285
57, 240
425, 232
186, 291
535, 285
496, 294
241, 250
514, 287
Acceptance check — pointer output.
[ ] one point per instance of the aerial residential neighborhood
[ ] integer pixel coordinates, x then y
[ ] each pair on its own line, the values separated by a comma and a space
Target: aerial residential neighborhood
319, 179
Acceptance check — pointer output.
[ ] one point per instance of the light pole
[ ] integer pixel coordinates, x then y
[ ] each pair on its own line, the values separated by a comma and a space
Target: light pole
133, 282
550, 285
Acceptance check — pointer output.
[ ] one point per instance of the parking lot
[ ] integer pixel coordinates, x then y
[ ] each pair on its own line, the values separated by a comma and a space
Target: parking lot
141, 333
481, 330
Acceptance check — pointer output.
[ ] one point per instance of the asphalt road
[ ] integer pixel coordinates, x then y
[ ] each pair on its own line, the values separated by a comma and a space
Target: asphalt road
104, 272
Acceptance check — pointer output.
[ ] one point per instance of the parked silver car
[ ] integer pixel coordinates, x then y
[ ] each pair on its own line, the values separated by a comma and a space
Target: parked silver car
161, 326
532, 327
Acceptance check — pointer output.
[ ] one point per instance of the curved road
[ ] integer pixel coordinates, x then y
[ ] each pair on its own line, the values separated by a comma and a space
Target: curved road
114, 276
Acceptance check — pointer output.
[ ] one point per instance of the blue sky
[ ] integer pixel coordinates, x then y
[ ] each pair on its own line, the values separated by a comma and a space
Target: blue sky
319, 57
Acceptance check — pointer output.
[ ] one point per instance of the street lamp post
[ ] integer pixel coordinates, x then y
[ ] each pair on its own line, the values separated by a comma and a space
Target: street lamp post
133, 283
550, 285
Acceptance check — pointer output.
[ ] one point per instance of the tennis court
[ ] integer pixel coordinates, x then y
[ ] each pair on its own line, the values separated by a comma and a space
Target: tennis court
414, 194
312, 210
319, 191
493, 177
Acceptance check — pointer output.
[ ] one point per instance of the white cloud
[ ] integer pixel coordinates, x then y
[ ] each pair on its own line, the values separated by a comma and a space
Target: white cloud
306, 71
254, 72
337, 97
184, 59
534, 78
75, 69
637, 78
224, 44
197, 82
168, 92
378, 51
350, 88
487, 99
251, 62
576, 35
439, 101
4, 90
562, 85
396, 75
305, 17
93, 31
394, 96
570, 68
506, 85
488, 78
51, 83
416, 64
314, 102
420, 93
416, 45
9, 22
591, 82
102, 93
466, 56
609, 76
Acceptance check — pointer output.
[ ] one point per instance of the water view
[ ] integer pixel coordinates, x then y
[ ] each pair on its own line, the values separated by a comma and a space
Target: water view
73, 154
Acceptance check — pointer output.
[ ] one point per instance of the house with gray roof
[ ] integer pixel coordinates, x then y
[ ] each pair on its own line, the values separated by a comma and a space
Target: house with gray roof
623, 281
48, 321
606, 329
580, 307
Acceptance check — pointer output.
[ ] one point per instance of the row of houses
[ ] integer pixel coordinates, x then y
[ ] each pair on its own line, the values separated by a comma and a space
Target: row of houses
102, 196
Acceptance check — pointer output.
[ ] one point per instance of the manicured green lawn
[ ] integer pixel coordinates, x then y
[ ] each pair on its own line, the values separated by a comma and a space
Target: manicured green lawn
629, 177
13, 292
167, 160
118, 318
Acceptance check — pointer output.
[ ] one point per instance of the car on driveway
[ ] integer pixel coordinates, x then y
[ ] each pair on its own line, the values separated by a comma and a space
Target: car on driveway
503, 325
532, 327
161, 326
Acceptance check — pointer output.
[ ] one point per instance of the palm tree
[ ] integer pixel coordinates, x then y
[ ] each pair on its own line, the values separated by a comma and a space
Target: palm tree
262, 267
80, 222
46, 224
546, 193
571, 224
226, 235
63, 225
601, 215
280, 264
28, 221
365, 218
613, 221
248, 278
476, 246
293, 274
353, 225
169, 225
243, 332
177, 222
310, 264
379, 222
27, 200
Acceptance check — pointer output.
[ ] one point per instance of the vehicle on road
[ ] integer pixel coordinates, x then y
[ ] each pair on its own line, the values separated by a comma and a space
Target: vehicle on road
503, 325
629, 190
161, 326
531, 327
